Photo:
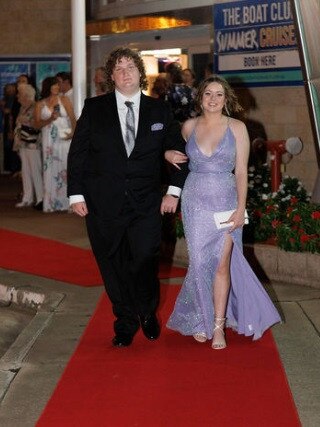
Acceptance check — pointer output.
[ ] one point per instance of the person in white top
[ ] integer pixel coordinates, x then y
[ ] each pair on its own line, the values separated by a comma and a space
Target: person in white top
27, 142
55, 117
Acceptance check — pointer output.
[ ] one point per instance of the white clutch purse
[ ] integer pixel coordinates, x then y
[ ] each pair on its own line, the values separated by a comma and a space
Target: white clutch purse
221, 218
63, 133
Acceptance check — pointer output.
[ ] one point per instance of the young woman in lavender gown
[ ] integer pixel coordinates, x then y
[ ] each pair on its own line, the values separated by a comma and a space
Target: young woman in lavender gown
220, 289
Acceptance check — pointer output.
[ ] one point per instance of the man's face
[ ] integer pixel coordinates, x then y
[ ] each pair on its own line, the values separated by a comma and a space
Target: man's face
63, 85
126, 76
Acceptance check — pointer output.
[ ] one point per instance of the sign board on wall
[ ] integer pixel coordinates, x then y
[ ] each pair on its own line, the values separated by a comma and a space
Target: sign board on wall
37, 67
255, 43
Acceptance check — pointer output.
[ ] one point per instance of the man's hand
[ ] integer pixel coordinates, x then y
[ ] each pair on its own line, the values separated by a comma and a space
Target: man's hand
79, 208
169, 204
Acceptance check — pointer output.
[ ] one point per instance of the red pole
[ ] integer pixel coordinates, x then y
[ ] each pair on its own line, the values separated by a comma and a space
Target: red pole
276, 148
275, 157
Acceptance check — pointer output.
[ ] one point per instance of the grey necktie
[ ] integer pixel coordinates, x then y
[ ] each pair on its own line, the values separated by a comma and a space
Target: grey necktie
130, 131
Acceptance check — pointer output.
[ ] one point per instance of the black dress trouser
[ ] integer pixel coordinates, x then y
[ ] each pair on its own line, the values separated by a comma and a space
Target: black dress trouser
129, 264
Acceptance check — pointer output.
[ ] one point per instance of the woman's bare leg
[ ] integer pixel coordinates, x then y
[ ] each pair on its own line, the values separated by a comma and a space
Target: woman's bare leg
221, 288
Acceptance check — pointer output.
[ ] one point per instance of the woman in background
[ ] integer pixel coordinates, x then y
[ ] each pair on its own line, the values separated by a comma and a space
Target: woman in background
179, 95
55, 117
159, 88
189, 79
27, 144
100, 81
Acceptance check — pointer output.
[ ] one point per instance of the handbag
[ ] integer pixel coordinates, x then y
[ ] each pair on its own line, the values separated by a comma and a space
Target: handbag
221, 218
63, 133
29, 134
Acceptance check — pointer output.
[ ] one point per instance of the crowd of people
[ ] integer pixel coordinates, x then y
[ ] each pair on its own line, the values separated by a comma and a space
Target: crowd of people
37, 131
37, 128
177, 86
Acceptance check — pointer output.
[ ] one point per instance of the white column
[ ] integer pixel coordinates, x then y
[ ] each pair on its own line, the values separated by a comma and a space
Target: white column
79, 64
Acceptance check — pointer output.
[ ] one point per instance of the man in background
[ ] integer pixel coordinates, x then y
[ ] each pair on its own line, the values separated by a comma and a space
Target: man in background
65, 84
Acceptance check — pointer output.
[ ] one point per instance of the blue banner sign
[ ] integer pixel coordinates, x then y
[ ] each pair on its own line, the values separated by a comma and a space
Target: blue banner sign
255, 43
37, 67
10, 72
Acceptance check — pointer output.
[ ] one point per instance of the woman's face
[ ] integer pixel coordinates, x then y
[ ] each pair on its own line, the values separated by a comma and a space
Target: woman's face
24, 99
22, 79
54, 89
187, 77
99, 77
213, 98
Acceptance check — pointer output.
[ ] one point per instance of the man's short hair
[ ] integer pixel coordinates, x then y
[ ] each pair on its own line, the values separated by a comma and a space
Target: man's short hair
65, 75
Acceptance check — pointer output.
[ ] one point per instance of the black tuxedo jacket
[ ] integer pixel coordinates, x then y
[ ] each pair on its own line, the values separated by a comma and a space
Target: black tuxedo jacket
98, 165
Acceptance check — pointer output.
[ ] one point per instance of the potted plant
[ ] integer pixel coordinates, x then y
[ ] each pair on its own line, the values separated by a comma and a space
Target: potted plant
286, 217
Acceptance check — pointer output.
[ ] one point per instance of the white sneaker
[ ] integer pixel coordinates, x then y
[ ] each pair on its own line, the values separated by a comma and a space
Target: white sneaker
23, 204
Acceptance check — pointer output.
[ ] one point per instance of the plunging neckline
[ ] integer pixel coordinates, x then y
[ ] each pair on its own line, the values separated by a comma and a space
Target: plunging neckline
217, 146
52, 109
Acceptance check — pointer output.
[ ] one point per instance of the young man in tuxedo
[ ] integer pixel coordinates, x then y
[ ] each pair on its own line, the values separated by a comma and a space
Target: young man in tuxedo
114, 169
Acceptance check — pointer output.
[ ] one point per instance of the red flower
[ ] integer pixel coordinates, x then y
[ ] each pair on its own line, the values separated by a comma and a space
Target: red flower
315, 215
296, 218
292, 240
269, 208
258, 213
304, 238
293, 200
289, 210
275, 223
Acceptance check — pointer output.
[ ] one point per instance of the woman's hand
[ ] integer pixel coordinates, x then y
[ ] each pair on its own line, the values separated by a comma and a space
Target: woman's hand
54, 115
175, 157
237, 218
68, 135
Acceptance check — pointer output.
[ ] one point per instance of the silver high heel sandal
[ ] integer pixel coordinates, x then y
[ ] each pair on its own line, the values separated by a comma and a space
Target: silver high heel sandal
200, 337
219, 324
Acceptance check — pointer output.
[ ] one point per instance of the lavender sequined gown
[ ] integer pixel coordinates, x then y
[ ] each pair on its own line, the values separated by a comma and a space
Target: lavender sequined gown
211, 187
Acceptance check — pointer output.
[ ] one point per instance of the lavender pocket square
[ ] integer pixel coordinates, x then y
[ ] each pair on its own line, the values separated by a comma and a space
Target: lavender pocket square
157, 126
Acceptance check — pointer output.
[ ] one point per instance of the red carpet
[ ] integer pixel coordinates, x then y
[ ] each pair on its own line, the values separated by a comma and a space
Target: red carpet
172, 382
58, 261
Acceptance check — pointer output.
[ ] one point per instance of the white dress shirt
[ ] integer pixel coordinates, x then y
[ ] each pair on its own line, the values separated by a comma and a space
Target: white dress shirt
69, 94
122, 110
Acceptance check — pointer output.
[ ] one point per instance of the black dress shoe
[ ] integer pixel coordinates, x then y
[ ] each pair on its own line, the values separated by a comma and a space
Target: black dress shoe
150, 326
122, 340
